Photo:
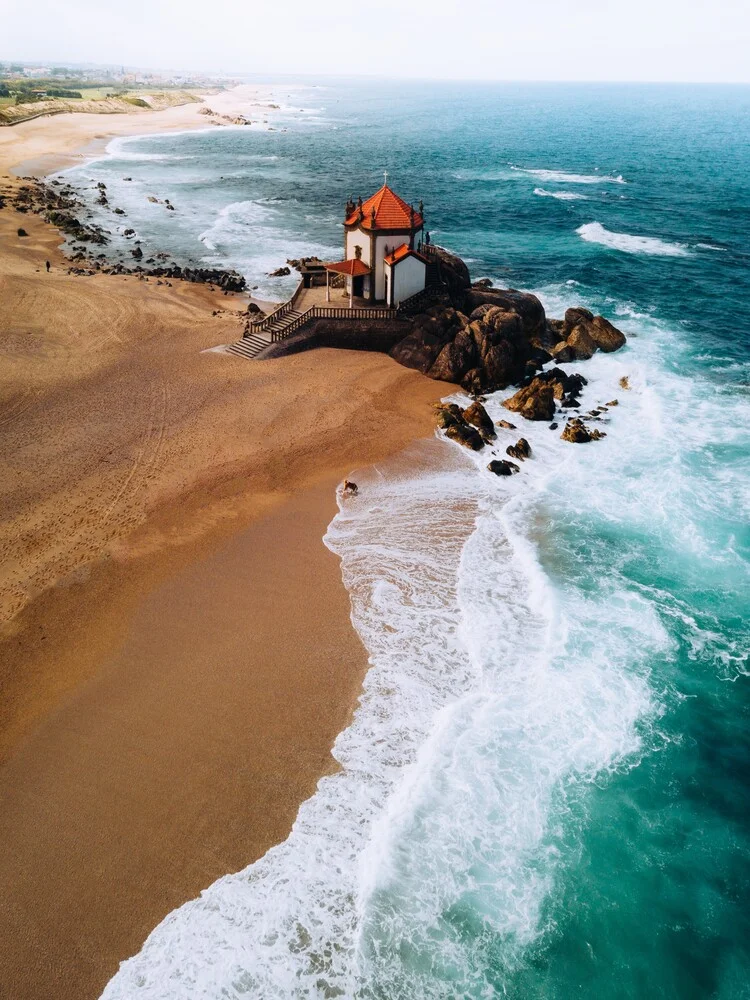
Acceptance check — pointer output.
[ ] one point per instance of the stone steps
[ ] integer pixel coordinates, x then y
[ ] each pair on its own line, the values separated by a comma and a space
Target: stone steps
250, 346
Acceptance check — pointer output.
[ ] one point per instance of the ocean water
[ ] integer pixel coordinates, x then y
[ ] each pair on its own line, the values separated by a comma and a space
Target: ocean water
545, 790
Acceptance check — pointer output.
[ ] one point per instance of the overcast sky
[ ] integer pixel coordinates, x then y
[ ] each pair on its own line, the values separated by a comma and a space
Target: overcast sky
666, 40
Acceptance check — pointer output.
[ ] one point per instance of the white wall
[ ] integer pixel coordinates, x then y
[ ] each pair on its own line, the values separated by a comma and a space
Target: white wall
355, 237
358, 237
407, 277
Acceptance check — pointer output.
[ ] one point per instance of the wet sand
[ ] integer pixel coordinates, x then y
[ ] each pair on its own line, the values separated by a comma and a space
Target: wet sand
176, 655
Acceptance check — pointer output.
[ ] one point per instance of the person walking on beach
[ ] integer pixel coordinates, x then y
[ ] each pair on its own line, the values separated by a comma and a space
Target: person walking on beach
47, 265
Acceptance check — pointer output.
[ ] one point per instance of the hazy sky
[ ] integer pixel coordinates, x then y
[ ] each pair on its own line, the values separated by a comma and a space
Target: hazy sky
692, 40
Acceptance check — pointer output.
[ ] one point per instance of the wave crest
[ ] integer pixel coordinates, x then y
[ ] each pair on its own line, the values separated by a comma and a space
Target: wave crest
595, 232
561, 195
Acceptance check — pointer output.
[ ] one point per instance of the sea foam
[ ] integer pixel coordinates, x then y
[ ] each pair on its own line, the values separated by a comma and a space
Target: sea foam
595, 232
561, 195
495, 700
566, 177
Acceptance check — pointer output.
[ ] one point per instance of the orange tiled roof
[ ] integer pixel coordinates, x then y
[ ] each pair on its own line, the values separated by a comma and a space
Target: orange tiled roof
400, 252
391, 212
353, 267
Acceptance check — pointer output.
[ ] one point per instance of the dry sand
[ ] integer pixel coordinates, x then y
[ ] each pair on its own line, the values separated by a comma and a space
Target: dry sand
176, 656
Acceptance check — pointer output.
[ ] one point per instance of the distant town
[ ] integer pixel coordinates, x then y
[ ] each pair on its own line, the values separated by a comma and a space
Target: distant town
26, 82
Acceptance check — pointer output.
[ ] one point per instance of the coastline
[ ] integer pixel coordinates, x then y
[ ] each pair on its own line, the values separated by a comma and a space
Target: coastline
46, 144
160, 501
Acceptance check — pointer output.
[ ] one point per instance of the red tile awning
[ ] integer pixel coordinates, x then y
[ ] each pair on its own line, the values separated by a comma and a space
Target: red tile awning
354, 267
400, 252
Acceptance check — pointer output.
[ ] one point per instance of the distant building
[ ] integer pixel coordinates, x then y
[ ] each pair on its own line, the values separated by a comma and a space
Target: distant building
382, 236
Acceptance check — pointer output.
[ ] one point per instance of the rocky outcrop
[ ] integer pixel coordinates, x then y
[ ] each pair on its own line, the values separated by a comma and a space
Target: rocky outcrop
536, 400
466, 435
577, 432
453, 273
520, 450
480, 418
486, 338
581, 343
280, 272
503, 468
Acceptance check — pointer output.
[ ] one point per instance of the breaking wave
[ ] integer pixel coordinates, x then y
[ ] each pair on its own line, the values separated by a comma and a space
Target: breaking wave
564, 177
561, 195
594, 232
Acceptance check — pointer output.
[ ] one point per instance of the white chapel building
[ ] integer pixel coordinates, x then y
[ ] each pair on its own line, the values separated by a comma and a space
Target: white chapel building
381, 240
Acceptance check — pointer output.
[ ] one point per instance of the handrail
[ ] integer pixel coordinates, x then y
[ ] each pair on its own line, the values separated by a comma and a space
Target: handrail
332, 312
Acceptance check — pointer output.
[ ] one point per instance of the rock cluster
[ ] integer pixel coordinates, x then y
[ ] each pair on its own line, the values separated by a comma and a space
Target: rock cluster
486, 338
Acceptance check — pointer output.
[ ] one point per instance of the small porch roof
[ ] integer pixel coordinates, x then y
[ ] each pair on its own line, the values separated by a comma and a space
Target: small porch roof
354, 267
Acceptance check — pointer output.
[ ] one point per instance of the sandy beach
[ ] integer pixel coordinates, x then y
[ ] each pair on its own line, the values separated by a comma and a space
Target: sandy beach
176, 651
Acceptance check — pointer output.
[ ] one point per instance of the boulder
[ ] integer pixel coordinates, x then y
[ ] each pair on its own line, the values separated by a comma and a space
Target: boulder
480, 418
453, 271
22, 232
606, 337
280, 272
449, 415
499, 365
575, 316
506, 424
418, 350
584, 347
577, 432
455, 359
466, 435
535, 401
527, 306
562, 352
502, 468
520, 450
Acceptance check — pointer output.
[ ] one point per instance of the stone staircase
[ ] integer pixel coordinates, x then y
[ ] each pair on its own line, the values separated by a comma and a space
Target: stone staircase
250, 346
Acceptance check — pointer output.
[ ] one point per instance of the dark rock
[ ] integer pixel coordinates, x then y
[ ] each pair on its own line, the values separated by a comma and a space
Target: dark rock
613, 402
520, 450
464, 434
449, 415
535, 401
528, 307
118, 211
583, 345
482, 283
22, 232
562, 352
455, 359
606, 337
574, 316
280, 272
506, 424
553, 426
480, 418
453, 272
137, 253
502, 468
577, 432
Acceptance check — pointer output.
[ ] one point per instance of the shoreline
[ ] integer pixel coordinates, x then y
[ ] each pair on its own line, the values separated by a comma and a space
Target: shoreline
137, 458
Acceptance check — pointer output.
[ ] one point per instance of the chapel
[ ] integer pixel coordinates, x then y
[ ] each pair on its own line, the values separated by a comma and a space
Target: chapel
382, 242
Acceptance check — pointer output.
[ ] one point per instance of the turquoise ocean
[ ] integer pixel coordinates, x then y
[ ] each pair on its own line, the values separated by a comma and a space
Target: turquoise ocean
545, 791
